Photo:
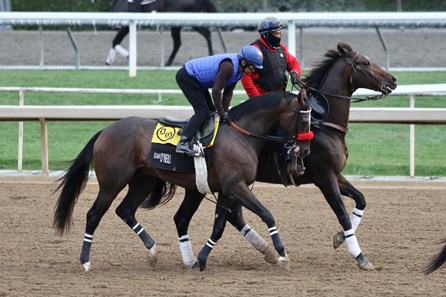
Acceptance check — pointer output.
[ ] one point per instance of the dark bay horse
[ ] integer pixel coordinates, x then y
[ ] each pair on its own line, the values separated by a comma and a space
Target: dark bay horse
120, 154
167, 6
332, 84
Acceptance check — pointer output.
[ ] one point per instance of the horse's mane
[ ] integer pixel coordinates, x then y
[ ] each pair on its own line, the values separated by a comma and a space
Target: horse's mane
317, 74
251, 106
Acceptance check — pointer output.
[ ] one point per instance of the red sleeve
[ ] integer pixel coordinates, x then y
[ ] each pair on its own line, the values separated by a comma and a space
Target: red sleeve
292, 62
248, 85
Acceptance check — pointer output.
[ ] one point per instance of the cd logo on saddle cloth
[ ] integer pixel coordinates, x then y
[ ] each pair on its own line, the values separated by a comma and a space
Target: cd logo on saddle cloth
164, 134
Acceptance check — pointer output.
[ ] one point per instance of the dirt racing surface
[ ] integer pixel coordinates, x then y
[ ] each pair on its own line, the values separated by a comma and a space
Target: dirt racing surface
401, 229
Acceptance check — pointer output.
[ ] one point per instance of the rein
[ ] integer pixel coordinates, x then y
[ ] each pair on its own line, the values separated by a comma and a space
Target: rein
299, 137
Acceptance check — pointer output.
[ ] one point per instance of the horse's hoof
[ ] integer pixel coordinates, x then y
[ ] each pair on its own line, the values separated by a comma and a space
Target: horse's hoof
191, 264
365, 264
202, 265
153, 256
270, 255
338, 239
284, 262
195, 266
87, 266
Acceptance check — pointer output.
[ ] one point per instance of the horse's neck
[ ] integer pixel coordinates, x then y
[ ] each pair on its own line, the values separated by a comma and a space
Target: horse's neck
337, 83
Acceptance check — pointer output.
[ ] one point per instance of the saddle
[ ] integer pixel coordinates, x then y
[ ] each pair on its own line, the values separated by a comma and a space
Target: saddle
319, 107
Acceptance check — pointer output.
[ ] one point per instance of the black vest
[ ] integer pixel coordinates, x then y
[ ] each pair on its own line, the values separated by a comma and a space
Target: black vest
272, 77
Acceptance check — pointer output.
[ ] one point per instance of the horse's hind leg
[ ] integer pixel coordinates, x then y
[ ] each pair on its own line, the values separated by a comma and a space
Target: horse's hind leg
207, 35
347, 189
94, 216
176, 36
139, 188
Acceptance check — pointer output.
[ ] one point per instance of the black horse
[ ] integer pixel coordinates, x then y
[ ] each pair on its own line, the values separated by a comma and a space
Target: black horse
163, 6
331, 85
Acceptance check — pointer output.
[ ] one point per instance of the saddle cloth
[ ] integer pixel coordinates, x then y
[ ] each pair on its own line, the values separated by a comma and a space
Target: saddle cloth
166, 136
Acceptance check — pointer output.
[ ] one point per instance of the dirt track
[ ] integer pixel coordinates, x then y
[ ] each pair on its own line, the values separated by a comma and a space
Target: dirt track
402, 226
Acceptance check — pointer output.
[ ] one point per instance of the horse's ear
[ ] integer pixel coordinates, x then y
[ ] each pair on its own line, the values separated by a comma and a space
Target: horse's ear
344, 48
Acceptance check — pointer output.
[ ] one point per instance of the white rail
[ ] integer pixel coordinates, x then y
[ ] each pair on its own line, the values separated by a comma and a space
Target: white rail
43, 114
292, 20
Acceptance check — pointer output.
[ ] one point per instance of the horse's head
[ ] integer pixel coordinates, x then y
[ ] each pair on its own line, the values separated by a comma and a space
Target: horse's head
365, 73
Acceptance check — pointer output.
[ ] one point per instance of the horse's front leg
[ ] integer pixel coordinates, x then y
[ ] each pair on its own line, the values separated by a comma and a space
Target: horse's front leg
236, 218
247, 199
182, 218
347, 189
330, 189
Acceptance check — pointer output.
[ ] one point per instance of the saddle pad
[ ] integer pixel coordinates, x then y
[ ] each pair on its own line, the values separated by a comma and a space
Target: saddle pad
164, 157
165, 134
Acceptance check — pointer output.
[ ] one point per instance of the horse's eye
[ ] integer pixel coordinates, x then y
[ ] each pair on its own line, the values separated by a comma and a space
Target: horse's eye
367, 63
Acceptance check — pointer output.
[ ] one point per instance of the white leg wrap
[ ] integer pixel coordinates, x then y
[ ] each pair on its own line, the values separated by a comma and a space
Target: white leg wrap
352, 243
121, 50
111, 57
355, 218
254, 238
186, 251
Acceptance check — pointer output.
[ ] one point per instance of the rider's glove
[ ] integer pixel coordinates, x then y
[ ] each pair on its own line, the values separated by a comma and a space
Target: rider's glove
294, 77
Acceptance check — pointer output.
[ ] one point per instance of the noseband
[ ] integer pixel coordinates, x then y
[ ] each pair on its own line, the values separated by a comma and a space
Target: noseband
355, 68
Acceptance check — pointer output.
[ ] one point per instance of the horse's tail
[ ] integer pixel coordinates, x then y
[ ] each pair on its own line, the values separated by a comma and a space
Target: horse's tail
208, 6
73, 183
161, 194
437, 262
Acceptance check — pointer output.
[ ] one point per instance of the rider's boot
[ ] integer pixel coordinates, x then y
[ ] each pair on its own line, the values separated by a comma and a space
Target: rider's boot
183, 147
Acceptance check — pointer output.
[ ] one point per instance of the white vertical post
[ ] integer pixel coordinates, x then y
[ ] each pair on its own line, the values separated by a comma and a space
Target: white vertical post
44, 138
20, 142
132, 48
292, 37
412, 141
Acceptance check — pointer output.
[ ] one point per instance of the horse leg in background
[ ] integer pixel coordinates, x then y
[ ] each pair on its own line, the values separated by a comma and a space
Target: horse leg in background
139, 188
332, 194
206, 33
347, 189
182, 218
245, 198
176, 36
117, 47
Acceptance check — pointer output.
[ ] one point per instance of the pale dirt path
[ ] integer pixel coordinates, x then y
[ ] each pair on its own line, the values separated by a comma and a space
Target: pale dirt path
402, 226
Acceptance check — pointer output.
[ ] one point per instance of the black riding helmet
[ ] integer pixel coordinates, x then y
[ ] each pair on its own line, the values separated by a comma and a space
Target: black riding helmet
268, 26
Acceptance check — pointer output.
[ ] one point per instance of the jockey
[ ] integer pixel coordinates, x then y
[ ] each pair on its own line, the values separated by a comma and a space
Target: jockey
219, 72
277, 60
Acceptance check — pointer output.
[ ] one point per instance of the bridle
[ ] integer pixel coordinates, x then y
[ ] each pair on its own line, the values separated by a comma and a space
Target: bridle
355, 67
289, 142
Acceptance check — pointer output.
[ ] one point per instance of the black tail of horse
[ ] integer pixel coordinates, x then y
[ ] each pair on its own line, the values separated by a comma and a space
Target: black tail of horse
161, 194
73, 183
437, 262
